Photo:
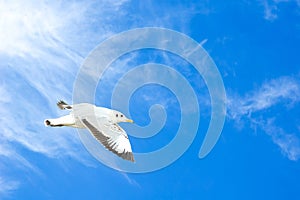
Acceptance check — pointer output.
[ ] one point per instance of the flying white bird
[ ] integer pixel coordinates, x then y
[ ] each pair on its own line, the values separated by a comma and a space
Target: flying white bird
101, 122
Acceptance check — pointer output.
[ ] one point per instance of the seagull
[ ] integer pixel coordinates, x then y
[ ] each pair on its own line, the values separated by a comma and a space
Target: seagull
101, 122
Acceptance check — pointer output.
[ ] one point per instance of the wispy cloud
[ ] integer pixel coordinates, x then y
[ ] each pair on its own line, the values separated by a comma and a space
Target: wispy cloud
289, 143
9, 157
28, 28
271, 8
252, 108
131, 180
270, 11
284, 89
42, 46
7, 186
37, 20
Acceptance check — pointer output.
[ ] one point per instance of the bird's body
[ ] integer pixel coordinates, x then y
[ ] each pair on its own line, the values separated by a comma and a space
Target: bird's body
101, 122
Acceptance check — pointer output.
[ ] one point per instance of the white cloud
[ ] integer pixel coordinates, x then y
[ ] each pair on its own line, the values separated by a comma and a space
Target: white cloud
41, 47
284, 91
7, 186
130, 180
271, 7
11, 158
289, 143
43, 43
4, 95
269, 94
22, 23
30, 28
270, 11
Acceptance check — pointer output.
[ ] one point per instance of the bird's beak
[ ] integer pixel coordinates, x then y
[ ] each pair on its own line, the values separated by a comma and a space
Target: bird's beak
129, 120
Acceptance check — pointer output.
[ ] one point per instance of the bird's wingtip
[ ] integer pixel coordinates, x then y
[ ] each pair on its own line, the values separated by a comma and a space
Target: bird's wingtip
47, 122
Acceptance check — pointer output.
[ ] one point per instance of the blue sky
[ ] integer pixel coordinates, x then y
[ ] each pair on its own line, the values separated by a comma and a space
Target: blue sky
255, 46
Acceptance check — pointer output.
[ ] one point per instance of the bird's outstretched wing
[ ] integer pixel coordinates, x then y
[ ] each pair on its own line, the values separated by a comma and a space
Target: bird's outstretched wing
111, 136
63, 105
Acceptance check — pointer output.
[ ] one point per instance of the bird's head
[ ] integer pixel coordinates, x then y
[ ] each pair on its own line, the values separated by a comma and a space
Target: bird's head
120, 117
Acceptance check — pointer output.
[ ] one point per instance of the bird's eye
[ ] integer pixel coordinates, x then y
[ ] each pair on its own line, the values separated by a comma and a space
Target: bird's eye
121, 115
116, 115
